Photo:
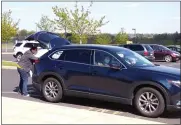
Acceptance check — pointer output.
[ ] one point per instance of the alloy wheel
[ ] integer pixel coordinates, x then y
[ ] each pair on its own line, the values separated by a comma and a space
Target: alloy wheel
51, 89
148, 102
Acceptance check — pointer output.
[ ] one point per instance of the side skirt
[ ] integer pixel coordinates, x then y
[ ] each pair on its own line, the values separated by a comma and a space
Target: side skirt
108, 98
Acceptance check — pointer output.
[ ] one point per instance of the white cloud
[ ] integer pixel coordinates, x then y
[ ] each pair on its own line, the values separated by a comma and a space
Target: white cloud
133, 5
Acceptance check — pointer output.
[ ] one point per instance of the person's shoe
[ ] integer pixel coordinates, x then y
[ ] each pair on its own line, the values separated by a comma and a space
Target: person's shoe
19, 91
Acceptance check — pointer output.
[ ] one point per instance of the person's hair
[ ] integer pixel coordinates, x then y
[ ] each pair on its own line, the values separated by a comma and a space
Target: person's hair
33, 48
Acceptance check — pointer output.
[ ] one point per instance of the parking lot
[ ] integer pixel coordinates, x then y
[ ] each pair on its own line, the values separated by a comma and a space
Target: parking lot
9, 89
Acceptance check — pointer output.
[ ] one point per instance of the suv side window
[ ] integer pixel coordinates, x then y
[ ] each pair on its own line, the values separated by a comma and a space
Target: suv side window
18, 44
136, 47
104, 59
154, 47
78, 55
28, 45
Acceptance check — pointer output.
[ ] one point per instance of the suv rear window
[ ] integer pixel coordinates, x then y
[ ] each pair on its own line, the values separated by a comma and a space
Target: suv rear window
148, 48
18, 44
135, 47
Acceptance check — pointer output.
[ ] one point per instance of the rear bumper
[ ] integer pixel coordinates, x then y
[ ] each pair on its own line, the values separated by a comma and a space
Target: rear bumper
37, 86
151, 58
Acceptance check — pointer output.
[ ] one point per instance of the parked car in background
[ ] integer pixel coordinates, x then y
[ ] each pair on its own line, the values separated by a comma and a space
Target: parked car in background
163, 53
174, 48
143, 49
45, 41
22, 46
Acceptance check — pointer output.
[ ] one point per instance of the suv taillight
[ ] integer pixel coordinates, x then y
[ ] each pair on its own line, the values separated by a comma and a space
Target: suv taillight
36, 61
145, 53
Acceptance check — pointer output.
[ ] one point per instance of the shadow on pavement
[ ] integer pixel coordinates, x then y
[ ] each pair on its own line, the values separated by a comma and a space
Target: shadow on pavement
78, 102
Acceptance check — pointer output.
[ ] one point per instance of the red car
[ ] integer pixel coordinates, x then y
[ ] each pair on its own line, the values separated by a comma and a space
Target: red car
163, 53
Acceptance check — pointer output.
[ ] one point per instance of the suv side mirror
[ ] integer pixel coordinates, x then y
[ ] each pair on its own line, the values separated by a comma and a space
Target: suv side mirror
116, 66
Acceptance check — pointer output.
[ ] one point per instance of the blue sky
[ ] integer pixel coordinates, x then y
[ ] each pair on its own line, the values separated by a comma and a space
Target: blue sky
146, 17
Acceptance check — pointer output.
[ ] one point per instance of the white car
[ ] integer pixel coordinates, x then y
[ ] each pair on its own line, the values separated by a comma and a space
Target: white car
44, 40
22, 46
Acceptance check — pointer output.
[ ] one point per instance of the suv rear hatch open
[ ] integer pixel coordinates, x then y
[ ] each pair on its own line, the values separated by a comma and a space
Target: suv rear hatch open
48, 40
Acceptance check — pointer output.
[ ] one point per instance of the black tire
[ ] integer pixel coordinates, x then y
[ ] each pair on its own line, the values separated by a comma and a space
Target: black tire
168, 58
161, 102
18, 56
59, 96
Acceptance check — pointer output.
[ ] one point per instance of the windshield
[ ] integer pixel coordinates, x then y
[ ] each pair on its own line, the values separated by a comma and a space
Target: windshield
164, 48
133, 58
178, 49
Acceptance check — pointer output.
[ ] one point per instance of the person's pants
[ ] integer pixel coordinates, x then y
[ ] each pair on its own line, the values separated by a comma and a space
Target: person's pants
23, 81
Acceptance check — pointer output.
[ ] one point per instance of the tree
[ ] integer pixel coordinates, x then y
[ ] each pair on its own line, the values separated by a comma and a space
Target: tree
46, 24
30, 32
23, 32
81, 23
121, 38
74, 38
8, 27
78, 21
103, 39
61, 23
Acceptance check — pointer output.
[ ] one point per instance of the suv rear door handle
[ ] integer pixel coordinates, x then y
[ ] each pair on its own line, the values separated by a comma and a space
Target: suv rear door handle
94, 72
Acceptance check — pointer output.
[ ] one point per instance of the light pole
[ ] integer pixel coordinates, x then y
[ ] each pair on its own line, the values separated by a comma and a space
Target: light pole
134, 34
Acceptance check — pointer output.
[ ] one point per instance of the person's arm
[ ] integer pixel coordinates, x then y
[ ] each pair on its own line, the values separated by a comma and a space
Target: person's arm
31, 56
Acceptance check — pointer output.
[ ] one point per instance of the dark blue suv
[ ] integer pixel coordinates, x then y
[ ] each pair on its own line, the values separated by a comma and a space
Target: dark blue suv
109, 73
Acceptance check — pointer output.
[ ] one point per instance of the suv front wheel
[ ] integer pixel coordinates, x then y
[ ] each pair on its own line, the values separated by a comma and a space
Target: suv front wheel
149, 102
168, 58
52, 90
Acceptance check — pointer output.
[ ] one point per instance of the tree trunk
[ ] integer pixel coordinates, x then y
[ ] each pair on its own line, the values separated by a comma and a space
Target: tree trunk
80, 41
6, 46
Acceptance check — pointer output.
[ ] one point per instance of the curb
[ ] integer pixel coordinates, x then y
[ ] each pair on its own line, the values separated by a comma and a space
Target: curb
6, 53
8, 67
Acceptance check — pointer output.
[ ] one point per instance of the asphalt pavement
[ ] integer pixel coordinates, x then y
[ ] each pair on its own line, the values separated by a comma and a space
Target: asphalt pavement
10, 81
7, 57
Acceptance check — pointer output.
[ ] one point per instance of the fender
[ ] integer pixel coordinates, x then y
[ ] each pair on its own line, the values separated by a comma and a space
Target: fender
51, 74
151, 83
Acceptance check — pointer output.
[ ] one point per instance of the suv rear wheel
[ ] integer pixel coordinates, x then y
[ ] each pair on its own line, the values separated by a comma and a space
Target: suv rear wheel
149, 102
52, 90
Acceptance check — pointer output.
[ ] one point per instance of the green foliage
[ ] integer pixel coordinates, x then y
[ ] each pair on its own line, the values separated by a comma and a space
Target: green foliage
62, 20
8, 26
103, 39
77, 21
121, 38
30, 32
74, 38
46, 24
23, 32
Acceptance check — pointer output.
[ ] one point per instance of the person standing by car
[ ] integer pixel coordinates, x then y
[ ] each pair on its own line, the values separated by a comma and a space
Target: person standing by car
24, 66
